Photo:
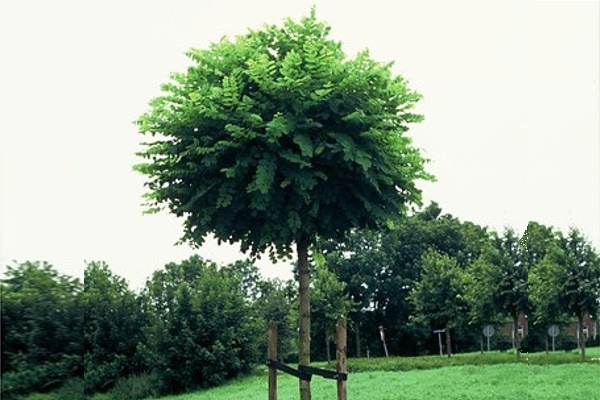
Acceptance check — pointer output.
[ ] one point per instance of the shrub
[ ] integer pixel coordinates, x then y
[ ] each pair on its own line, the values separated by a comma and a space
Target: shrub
134, 387
71, 390
40, 378
101, 376
201, 331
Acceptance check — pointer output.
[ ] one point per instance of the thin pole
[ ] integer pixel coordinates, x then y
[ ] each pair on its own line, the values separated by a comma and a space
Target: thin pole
341, 358
272, 354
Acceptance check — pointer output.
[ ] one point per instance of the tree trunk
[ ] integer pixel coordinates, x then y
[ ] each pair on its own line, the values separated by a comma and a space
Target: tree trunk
327, 349
481, 343
546, 344
341, 357
448, 341
357, 337
272, 354
304, 334
581, 338
516, 335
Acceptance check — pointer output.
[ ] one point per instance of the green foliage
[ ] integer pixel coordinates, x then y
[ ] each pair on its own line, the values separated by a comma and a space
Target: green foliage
134, 387
201, 330
544, 284
437, 297
102, 376
512, 285
40, 377
278, 302
42, 345
275, 137
381, 267
329, 303
73, 389
580, 283
113, 327
479, 281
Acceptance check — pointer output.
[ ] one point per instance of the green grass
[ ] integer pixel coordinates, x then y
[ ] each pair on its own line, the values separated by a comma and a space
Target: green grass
507, 381
491, 358
558, 375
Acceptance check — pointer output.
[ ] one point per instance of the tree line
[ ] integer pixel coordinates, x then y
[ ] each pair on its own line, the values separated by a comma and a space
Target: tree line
437, 272
196, 324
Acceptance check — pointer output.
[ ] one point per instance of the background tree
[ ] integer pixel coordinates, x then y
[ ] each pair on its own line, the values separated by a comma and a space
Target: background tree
278, 301
480, 292
113, 328
437, 297
579, 288
276, 138
357, 261
42, 326
330, 303
540, 250
513, 296
381, 267
544, 286
202, 330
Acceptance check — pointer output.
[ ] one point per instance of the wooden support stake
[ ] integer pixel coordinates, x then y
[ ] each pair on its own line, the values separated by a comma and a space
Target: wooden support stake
341, 359
272, 355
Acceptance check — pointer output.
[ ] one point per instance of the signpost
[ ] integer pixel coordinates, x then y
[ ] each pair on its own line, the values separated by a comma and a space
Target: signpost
488, 332
439, 332
382, 336
553, 331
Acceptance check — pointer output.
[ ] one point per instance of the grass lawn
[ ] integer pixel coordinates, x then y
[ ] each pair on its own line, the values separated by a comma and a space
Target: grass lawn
506, 381
494, 375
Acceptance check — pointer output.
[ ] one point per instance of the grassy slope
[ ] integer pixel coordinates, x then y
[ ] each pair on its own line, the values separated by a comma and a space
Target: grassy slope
506, 381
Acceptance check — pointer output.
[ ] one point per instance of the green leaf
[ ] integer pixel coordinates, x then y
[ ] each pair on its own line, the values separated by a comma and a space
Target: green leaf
306, 145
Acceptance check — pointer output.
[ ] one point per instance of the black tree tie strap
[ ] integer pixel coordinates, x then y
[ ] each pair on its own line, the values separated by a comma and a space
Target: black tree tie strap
305, 373
325, 373
289, 370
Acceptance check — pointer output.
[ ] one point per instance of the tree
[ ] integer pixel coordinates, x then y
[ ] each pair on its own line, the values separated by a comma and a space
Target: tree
437, 297
381, 267
42, 325
276, 138
113, 327
330, 302
544, 284
579, 289
513, 296
479, 281
357, 262
278, 301
202, 330
540, 250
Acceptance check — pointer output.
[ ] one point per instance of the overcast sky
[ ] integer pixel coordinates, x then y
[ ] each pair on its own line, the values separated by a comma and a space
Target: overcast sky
511, 105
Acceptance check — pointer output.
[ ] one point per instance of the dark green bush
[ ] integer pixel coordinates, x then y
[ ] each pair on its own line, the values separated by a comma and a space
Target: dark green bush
135, 387
201, 330
38, 378
72, 389
101, 377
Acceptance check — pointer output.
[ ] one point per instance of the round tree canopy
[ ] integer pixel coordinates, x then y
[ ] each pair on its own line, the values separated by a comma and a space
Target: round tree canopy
276, 137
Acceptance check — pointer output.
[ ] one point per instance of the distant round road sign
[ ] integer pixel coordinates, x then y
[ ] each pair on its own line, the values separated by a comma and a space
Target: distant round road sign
488, 331
553, 330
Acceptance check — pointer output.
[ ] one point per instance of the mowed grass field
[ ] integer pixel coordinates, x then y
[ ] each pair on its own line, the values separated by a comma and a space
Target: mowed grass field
502, 381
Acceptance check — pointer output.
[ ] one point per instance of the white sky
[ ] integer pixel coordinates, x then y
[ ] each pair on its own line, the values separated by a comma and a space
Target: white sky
511, 101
